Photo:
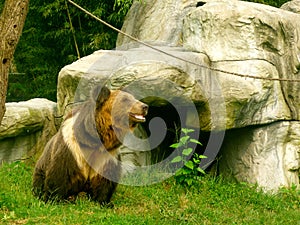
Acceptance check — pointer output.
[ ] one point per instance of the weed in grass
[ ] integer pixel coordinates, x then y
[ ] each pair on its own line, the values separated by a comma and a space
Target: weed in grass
189, 174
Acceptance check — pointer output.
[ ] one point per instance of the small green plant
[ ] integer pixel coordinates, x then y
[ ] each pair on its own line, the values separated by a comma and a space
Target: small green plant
190, 173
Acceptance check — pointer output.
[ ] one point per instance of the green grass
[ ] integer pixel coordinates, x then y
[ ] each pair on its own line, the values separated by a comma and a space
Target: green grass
213, 201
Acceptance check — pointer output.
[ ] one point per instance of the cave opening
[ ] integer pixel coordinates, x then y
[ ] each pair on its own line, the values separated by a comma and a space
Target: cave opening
167, 130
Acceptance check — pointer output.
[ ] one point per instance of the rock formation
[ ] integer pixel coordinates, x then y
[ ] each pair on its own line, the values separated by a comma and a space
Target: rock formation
260, 116
26, 128
225, 72
293, 6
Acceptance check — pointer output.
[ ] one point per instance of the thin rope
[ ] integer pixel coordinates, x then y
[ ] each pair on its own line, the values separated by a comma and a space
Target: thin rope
72, 30
177, 57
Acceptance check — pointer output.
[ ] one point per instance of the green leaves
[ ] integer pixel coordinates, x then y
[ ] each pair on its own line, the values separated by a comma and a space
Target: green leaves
195, 141
190, 172
275, 3
48, 43
190, 165
185, 139
175, 145
186, 131
187, 151
177, 159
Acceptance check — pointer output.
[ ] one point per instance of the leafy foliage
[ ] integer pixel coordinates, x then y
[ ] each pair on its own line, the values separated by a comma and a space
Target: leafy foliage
48, 42
1, 5
190, 172
275, 3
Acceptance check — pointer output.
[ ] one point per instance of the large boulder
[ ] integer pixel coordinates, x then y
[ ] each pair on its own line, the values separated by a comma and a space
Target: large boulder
266, 155
155, 21
240, 35
293, 6
202, 40
258, 40
26, 128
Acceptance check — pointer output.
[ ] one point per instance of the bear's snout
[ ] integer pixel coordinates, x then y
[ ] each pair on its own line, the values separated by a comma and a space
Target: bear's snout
138, 112
145, 108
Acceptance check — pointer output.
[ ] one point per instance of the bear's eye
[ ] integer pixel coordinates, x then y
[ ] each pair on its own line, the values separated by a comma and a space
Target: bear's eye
125, 100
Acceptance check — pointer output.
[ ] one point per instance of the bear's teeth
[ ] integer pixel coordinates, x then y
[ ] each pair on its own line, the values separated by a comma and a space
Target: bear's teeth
139, 117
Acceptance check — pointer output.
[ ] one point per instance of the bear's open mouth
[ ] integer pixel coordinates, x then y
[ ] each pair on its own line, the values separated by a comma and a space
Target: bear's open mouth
137, 117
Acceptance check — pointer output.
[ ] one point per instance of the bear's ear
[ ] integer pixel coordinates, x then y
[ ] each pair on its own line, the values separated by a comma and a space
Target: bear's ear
103, 95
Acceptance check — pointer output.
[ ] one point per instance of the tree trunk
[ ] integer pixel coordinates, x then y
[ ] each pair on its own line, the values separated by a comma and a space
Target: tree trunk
11, 25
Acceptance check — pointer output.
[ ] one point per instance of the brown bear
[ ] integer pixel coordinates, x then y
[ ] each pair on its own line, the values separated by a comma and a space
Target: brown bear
83, 155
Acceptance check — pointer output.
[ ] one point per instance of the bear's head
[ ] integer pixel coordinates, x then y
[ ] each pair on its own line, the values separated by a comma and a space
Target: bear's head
121, 110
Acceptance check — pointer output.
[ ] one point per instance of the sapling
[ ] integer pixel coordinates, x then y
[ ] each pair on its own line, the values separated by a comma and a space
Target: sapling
190, 173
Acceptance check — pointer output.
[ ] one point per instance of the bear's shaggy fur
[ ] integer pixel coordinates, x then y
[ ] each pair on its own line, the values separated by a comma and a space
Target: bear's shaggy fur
83, 155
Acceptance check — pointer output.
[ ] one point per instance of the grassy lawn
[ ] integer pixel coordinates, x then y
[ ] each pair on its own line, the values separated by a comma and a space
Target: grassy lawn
213, 201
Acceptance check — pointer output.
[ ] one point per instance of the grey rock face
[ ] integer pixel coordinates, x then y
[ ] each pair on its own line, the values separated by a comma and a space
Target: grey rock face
293, 6
233, 36
156, 21
26, 128
267, 155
